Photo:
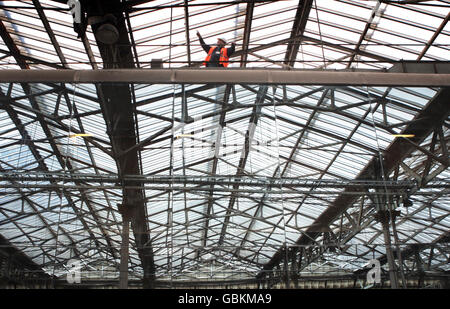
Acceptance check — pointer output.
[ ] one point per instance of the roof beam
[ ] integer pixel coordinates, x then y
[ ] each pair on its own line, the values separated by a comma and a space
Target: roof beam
13, 49
301, 17
50, 33
348, 50
433, 38
230, 76
186, 29
214, 163
370, 25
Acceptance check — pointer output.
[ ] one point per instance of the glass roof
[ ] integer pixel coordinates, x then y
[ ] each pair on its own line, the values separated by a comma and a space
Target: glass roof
231, 174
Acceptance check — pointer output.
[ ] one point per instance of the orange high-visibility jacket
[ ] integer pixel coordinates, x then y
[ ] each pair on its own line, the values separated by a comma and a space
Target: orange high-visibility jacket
223, 60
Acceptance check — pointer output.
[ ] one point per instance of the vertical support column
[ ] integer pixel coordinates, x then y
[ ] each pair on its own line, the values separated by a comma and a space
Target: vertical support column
124, 252
383, 217
394, 214
420, 268
184, 108
294, 268
286, 267
124, 247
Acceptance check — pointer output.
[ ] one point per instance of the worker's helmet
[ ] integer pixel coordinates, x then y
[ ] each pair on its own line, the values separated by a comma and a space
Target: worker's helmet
223, 40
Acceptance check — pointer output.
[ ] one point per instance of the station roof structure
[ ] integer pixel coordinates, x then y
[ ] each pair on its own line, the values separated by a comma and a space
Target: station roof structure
234, 180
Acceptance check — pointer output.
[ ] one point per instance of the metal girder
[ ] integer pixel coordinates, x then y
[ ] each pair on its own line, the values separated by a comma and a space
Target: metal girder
13, 49
200, 188
243, 159
215, 162
369, 26
303, 132
431, 116
186, 30
50, 33
433, 38
33, 60
314, 40
133, 42
247, 32
288, 162
253, 181
229, 76
278, 63
301, 17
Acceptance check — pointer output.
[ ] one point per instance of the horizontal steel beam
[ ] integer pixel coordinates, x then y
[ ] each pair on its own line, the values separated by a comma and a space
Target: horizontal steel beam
229, 76
257, 181
93, 188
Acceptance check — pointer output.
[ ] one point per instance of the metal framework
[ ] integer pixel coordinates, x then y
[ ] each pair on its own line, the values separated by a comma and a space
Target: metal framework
232, 76
323, 145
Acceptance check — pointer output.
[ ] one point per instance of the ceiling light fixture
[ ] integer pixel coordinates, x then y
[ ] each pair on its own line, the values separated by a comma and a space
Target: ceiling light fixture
80, 135
403, 135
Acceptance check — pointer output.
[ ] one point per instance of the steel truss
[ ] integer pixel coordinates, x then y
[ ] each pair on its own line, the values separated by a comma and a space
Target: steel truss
275, 226
63, 182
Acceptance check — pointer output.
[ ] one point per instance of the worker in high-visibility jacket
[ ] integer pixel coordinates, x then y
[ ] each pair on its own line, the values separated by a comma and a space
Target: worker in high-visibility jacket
219, 55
